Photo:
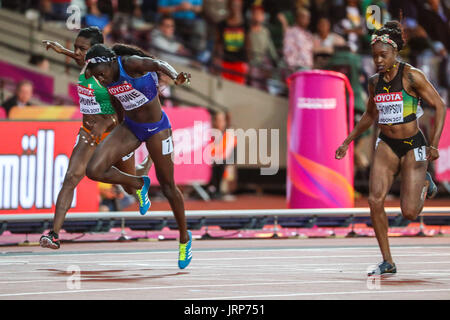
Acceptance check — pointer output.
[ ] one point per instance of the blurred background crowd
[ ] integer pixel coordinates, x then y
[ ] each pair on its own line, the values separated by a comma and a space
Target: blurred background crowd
261, 42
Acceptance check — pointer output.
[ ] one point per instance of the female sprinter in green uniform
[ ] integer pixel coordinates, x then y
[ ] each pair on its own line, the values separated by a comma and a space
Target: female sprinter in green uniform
99, 118
131, 77
394, 100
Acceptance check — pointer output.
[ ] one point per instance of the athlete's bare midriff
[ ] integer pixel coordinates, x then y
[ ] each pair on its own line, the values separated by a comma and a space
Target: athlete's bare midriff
90, 120
400, 131
147, 113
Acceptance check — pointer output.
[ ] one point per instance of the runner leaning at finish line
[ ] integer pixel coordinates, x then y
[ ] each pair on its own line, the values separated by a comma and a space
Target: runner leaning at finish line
99, 118
131, 77
395, 93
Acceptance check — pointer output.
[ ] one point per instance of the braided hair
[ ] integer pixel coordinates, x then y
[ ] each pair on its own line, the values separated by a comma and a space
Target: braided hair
394, 31
92, 33
121, 49
101, 52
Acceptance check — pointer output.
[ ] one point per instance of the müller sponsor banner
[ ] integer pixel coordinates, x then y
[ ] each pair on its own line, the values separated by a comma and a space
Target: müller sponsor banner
442, 165
34, 157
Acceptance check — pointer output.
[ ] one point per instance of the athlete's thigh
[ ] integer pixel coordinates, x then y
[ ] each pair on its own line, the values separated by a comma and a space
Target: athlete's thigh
413, 180
384, 168
160, 149
127, 164
81, 154
120, 142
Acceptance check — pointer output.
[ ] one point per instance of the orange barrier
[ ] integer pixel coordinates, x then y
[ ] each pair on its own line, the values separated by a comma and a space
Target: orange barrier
45, 113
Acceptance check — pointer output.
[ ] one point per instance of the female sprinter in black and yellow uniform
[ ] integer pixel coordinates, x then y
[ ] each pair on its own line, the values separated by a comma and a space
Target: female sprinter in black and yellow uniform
395, 93
99, 118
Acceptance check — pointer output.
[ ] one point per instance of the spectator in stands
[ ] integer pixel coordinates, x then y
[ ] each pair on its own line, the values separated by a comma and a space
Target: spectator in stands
109, 196
320, 9
275, 8
418, 43
113, 198
406, 11
351, 25
221, 149
20, 6
349, 63
262, 52
324, 42
164, 43
55, 9
133, 10
189, 23
435, 19
22, 96
95, 18
214, 12
60, 8
149, 9
128, 25
298, 42
40, 62
231, 44
121, 29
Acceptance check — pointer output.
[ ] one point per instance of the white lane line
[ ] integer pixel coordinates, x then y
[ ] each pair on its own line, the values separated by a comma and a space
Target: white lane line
298, 273
206, 266
218, 278
190, 286
267, 296
339, 267
375, 248
267, 258
172, 287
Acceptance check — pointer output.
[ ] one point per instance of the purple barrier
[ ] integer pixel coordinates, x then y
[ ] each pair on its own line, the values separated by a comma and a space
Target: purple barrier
317, 125
43, 85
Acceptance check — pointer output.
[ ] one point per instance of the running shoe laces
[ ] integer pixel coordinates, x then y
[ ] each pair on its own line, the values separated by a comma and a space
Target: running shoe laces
144, 201
185, 253
50, 240
383, 268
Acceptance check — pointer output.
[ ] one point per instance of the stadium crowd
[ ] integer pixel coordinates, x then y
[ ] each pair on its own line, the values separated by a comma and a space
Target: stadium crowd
261, 42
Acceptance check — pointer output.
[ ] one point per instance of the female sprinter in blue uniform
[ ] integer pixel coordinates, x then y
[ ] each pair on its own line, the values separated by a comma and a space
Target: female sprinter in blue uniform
99, 118
394, 102
131, 79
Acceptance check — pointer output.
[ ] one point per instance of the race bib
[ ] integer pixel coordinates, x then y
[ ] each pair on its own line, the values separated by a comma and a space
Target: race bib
167, 146
420, 153
390, 107
88, 104
128, 96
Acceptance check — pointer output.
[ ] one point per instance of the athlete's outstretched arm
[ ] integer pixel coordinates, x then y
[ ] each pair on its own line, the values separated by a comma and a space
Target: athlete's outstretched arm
58, 48
367, 120
427, 92
147, 64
